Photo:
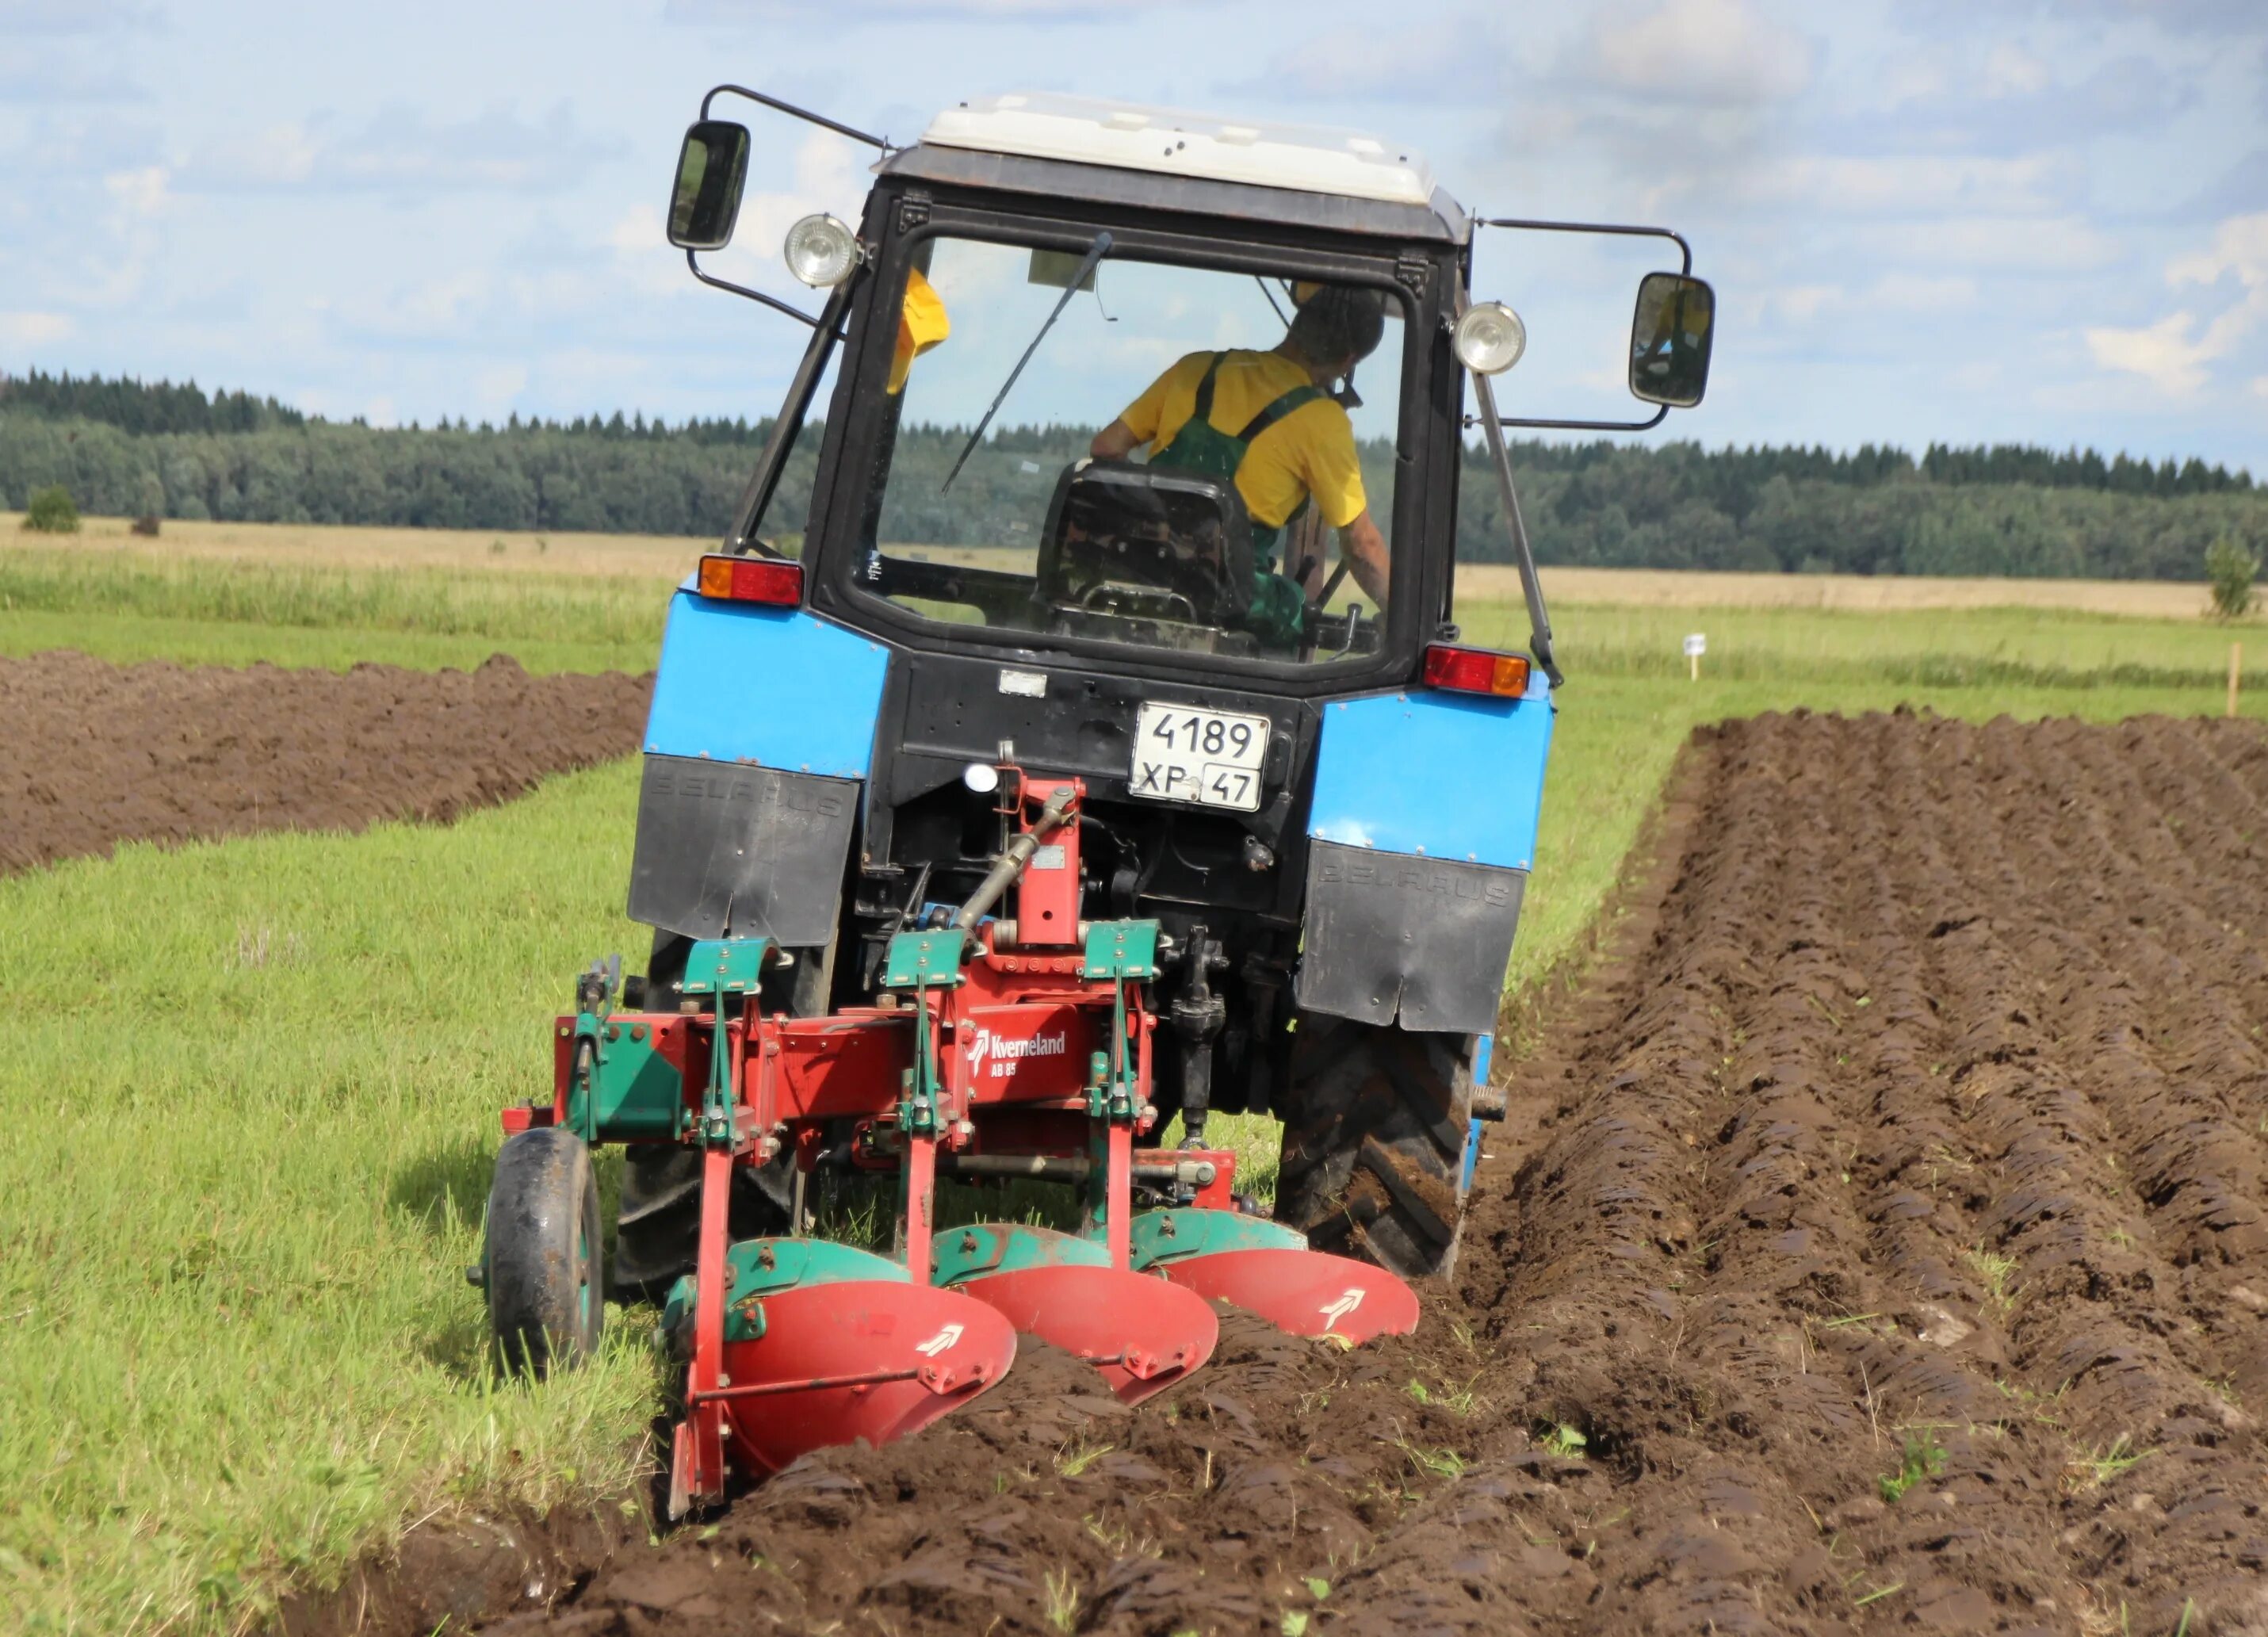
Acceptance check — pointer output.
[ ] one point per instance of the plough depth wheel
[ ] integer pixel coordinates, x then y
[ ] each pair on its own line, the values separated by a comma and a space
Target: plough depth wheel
539, 1261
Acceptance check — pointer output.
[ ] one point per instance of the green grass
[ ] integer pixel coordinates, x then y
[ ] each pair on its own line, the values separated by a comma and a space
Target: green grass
1923, 1458
1960, 648
221, 613
130, 638
252, 1093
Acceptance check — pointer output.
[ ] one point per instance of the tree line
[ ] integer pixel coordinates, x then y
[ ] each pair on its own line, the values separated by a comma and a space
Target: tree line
131, 449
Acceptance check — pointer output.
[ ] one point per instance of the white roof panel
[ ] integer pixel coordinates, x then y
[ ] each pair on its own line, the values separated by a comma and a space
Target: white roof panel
1090, 130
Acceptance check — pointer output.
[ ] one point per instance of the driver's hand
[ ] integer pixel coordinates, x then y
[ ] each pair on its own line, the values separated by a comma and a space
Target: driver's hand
1367, 558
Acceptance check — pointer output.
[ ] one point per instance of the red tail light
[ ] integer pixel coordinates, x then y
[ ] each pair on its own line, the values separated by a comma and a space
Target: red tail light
768, 580
1476, 670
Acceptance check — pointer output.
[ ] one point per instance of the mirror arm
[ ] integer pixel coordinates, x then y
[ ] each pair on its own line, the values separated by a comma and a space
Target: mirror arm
820, 120
825, 330
692, 261
1659, 414
1683, 249
1539, 623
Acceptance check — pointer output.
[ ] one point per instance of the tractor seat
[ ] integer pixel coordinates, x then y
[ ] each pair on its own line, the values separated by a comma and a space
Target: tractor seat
1150, 543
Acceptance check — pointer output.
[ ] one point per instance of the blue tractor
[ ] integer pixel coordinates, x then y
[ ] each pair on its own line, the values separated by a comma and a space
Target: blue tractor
1266, 819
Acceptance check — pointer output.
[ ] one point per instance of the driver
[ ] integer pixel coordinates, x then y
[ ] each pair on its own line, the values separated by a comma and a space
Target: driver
1266, 419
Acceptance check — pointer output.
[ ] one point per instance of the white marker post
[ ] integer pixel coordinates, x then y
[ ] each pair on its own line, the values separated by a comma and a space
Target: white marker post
1695, 645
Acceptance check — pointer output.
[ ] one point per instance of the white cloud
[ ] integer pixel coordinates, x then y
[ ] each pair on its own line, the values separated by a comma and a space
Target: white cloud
2065, 244
1916, 292
436, 307
402, 149
1909, 184
32, 330
638, 228
2012, 71
2173, 354
830, 175
1800, 304
1724, 52
1426, 61
2162, 353
2240, 246
140, 191
1892, 292
496, 386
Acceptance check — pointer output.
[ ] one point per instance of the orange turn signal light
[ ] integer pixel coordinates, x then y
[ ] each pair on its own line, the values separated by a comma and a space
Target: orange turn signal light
771, 581
1476, 670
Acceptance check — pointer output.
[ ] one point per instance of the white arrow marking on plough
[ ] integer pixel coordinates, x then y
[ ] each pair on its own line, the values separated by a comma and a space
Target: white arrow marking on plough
1348, 1301
945, 1338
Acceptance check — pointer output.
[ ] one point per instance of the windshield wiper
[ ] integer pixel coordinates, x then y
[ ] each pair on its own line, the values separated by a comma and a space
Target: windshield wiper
1101, 247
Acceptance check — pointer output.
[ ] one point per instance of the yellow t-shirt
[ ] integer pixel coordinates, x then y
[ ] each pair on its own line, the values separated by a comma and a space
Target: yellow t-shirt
1310, 452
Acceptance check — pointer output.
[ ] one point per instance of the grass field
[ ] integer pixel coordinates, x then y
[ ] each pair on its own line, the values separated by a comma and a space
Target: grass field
253, 1087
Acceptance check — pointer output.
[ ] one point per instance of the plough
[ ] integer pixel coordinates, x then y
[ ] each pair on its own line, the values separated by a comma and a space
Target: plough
996, 1048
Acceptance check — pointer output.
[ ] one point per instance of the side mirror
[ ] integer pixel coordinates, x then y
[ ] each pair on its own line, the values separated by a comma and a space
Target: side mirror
1670, 337
712, 168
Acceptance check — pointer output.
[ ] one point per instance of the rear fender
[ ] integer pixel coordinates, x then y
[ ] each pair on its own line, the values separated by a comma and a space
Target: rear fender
758, 745
1422, 834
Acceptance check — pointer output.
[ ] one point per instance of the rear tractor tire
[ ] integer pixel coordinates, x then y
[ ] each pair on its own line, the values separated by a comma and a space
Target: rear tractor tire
540, 1266
1374, 1135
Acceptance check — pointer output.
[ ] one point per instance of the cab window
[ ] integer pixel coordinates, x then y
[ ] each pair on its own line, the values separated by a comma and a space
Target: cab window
1097, 502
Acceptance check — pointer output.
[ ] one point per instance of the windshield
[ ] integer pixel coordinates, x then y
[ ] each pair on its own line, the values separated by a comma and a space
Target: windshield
1183, 462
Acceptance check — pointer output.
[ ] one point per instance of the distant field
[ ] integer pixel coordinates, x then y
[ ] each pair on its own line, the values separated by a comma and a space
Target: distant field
667, 557
309, 544
1855, 593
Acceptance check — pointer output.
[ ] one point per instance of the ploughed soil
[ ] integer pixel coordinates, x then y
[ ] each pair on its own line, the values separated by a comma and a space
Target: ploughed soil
94, 754
1876, 1242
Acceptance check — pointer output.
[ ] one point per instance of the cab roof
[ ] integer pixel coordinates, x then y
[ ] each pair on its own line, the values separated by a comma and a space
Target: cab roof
1090, 130
1120, 153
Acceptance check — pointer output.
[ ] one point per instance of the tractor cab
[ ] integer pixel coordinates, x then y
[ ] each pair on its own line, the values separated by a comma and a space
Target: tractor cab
1093, 753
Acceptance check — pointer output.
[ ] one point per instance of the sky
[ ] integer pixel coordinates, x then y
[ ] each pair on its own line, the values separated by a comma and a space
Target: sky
1927, 220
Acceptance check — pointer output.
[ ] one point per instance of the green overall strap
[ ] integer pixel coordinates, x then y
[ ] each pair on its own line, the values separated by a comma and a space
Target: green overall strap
1203, 410
1298, 398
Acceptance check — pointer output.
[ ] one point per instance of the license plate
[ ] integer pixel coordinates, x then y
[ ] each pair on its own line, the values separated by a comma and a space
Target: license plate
1212, 758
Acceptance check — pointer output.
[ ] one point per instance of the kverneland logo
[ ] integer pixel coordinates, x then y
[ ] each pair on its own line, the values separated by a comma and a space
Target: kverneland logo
984, 1045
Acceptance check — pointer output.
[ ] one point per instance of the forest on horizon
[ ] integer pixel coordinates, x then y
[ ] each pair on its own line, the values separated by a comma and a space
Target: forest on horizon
124, 447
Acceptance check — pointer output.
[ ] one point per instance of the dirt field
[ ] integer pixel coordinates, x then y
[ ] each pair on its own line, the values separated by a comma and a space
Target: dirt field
95, 754
1912, 1131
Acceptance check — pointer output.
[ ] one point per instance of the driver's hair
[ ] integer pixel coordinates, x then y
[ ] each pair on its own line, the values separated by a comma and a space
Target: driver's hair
1338, 321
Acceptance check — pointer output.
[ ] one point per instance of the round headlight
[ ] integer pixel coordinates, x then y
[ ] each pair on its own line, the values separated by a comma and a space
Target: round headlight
1490, 338
821, 251
981, 777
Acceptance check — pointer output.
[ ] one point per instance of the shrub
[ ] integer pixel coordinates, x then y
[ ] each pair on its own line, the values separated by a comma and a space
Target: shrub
2230, 569
146, 524
52, 512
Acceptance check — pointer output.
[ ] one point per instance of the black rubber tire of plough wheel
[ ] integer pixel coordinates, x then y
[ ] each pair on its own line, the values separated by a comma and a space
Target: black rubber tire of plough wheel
540, 1266
658, 1224
1374, 1127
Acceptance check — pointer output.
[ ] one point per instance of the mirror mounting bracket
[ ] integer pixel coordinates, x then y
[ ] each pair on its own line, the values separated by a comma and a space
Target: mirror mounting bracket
692, 259
1685, 267
693, 263
808, 117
